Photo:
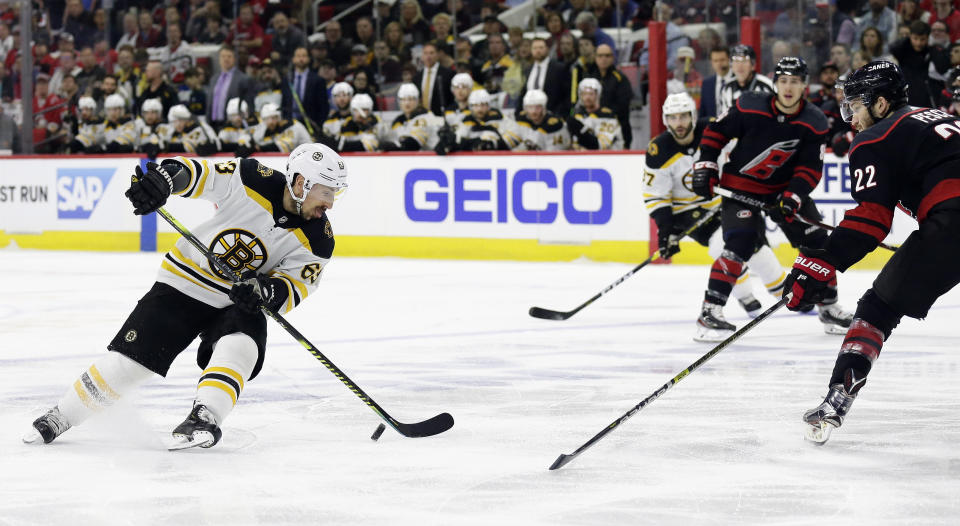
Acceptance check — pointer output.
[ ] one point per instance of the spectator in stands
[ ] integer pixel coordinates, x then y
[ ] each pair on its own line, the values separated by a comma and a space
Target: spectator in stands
557, 29
550, 7
9, 134
840, 56
149, 36
842, 26
328, 72
910, 10
708, 39
386, 67
339, 48
286, 39
442, 38
156, 87
363, 84
99, 26
246, 35
873, 45
309, 100
106, 57
943, 11
272, 90
213, 32
78, 22
493, 70
712, 85
573, 11
416, 30
778, 50
318, 54
858, 59
176, 55
127, 73
462, 18
514, 37
617, 91
130, 31
913, 55
385, 11
364, 32
108, 86
229, 84
685, 72
584, 67
547, 75
90, 75
171, 17
48, 120
65, 46
939, 43
587, 24
567, 52
463, 53
6, 84
881, 18
194, 94
68, 91
789, 23
676, 37
433, 81
197, 18
603, 12
828, 82
68, 66
393, 36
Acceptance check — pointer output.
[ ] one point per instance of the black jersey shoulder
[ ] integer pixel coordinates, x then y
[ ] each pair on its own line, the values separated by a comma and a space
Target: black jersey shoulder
551, 123
319, 235
399, 120
661, 149
605, 113
266, 182
756, 102
812, 117
875, 133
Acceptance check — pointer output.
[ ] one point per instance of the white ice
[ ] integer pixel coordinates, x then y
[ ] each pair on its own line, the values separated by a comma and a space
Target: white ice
724, 446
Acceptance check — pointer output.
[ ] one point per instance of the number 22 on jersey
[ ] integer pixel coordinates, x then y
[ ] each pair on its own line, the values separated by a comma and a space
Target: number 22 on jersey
869, 172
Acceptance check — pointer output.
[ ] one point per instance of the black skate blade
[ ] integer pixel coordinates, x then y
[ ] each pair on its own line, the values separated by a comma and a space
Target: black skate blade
547, 314
427, 428
561, 461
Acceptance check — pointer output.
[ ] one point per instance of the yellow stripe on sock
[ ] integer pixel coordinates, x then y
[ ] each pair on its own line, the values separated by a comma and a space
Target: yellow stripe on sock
743, 277
229, 372
220, 385
776, 283
102, 384
84, 397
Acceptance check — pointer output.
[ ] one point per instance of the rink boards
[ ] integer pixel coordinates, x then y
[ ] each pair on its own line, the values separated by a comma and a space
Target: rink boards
499, 205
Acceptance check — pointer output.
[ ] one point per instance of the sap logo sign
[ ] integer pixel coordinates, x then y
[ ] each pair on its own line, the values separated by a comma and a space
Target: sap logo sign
80, 189
432, 186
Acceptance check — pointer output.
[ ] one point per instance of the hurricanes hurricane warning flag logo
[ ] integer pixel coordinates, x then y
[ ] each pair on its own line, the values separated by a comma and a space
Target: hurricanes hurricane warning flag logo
240, 250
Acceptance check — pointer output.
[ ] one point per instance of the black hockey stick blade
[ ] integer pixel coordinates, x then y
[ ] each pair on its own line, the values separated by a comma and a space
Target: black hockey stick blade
427, 428
547, 314
561, 461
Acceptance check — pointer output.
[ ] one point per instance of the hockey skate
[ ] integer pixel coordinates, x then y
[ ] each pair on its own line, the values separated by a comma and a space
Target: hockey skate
751, 305
198, 430
711, 325
822, 420
834, 319
47, 428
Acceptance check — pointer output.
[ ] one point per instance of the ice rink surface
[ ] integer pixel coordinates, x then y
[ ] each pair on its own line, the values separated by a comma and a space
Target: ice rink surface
422, 337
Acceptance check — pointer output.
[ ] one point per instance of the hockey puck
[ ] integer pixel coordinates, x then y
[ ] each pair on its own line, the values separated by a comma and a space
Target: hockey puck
378, 432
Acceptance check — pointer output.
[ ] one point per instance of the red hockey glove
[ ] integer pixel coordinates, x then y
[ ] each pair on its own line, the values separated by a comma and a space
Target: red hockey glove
787, 205
809, 279
706, 175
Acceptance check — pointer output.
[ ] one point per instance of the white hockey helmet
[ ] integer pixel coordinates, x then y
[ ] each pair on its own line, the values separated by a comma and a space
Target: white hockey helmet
87, 103
590, 83
461, 80
114, 101
269, 110
480, 96
362, 103
236, 106
317, 164
178, 113
408, 91
151, 105
341, 87
535, 97
680, 103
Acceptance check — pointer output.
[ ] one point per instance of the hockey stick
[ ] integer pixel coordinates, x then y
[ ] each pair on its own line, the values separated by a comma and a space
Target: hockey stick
429, 427
747, 200
563, 460
547, 314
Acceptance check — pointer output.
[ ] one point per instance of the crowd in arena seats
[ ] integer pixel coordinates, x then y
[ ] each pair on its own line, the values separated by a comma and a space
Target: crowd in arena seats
208, 76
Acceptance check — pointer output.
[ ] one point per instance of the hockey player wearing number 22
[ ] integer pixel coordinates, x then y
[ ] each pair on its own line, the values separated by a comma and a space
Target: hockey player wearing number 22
270, 228
778, 159
901, 154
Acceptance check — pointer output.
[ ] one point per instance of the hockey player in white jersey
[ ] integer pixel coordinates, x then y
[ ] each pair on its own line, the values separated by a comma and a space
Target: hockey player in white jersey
674, 207
342, 94
539, 129
269, 227
149, 128
188, 134
484, 128
115, 134
594, 127
461, 85
276, 134
235, 134
415, 128
363, 131
86, 127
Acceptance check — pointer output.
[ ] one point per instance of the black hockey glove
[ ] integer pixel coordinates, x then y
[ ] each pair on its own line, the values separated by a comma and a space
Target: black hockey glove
809, 279
668, 245
256, 290
149, 191
244, 151
151, 150
447, 142
574, 126
706, 175
786, 207
841, 143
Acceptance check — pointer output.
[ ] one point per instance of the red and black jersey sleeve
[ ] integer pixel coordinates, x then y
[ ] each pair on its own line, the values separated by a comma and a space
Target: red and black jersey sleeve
809, 167
875, 190
718, 133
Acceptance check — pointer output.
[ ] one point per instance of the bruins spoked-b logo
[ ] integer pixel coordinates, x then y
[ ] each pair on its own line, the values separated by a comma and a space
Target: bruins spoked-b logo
240, 250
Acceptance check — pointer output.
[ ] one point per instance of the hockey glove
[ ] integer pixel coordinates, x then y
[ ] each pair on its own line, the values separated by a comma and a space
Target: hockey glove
706, 175
841, 143
788, 203
667, 244
151, 150
256, 290
809, 279
149, 191
244, 151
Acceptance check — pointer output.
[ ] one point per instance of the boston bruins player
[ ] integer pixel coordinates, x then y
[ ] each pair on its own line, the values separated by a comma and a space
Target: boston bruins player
269, 226
415, 128
86, 127
779, 159
675, 208
187, 134
539, 129
276, 134
115, 134
484, 128
149, 128
235, 134
362, 131
594, 127
461, 85
342, 94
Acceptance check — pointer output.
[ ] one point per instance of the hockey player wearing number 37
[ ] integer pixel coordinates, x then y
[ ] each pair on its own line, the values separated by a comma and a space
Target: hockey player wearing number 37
901, 154
269, 227
778, 159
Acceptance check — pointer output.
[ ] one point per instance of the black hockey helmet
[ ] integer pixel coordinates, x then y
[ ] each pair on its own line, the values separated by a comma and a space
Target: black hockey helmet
873, 80
952, 75
743, 50
791, 66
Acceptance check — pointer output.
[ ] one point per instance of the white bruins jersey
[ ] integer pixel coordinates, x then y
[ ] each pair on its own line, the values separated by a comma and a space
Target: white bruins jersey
331, 126
604, 124
667, 179
105, 132
422, 126
146, 134
250, 231
368, 136
492, 127
195, 135
453, 115
87, 131
286, 136
549, 136
268, 96
732, 90
230, 137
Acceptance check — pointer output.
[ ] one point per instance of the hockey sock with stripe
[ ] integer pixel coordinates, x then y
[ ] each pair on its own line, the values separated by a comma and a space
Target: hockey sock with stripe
100, 386
231, 364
